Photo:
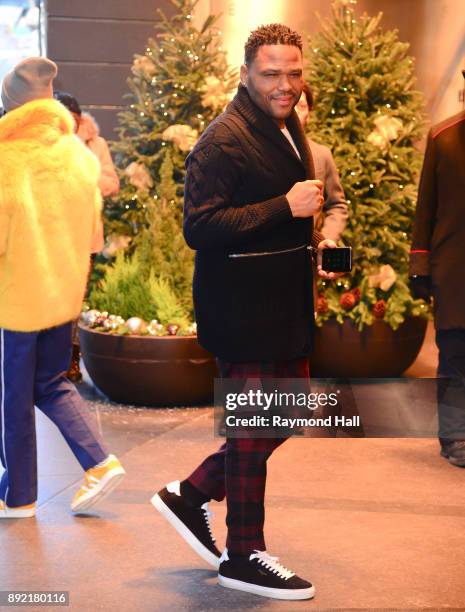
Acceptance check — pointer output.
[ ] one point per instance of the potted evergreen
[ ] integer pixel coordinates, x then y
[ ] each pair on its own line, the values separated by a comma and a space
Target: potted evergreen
368, 112
138, 337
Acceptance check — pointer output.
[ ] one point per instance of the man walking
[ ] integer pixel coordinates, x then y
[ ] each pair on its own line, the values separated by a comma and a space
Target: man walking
49, 211
249, 201
436, 263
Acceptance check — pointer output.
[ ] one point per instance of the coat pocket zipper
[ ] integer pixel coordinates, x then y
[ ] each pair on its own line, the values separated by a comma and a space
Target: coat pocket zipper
263, 253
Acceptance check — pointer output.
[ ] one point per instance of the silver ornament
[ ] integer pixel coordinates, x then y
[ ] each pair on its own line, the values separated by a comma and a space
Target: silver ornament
135, 325
90, 317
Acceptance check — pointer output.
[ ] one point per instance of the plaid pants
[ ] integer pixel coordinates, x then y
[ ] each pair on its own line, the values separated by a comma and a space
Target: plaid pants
237, 470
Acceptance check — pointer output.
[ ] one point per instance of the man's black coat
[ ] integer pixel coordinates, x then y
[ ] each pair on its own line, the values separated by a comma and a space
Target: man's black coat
438, 244
253, 272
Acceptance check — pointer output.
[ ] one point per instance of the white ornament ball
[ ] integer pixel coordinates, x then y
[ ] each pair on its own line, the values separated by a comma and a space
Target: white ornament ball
135, 325
90, 317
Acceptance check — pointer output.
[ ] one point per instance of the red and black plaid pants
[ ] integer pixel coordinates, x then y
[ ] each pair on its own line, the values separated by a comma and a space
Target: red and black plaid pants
237, 470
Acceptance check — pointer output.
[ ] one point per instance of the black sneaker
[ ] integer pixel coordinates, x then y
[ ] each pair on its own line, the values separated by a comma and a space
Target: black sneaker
454, 451
263, 575
192, 524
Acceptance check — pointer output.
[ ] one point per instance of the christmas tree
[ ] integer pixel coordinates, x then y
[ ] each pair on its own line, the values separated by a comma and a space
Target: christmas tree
368, 112
177, 87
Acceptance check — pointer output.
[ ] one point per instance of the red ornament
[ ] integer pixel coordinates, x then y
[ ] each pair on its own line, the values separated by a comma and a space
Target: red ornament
379, 309
356, 293
172, 329
322, 304
347, 300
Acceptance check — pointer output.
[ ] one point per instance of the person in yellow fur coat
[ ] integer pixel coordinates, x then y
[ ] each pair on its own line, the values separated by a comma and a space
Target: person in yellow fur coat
50, 209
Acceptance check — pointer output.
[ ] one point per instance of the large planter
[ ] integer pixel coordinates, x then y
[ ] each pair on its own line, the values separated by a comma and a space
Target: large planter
341, 351
148, 370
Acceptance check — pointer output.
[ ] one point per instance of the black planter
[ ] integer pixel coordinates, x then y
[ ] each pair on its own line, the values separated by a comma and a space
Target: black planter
149, 370
341, 351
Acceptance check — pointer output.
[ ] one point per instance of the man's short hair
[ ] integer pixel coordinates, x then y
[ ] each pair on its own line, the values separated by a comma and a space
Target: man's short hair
308, 96
272, 34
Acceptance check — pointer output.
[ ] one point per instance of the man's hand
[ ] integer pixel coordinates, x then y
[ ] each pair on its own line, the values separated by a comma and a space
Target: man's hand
306, 198
421, 287
326, 244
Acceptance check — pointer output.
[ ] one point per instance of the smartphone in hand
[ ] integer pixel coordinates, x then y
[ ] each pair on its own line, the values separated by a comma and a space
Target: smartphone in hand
338, 259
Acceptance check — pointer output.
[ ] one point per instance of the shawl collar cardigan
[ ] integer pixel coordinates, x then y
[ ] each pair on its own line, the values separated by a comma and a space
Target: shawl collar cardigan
253, 272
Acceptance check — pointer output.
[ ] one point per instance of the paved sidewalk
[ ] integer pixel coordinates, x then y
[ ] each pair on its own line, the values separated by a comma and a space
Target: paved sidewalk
376, 524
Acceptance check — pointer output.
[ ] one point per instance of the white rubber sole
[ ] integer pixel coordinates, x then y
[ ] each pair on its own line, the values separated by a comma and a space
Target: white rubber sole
184, 532
289, 594
13, 513
106, 485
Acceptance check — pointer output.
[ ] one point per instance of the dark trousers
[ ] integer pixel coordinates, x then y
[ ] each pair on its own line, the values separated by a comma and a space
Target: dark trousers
451, 383
33, 372
237, 470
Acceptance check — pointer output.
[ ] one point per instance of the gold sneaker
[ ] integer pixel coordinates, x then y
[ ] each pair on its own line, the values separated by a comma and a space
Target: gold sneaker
99, 482
18, 511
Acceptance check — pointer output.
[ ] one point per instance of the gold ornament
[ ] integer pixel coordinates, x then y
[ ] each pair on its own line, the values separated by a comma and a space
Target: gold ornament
215, 95
143, 66
386, 129
183, 136
136, 325
192, 329
114, 244
155, 328
389, 127
384, 278
139, 176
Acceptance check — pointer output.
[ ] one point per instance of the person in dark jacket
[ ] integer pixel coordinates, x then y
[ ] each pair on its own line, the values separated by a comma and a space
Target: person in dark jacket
250, 197
436, 263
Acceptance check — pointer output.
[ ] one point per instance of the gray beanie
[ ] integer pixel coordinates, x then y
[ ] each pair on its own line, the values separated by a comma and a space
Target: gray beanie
30, 80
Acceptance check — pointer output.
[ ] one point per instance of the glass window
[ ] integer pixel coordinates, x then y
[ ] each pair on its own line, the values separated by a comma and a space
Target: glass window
20, 32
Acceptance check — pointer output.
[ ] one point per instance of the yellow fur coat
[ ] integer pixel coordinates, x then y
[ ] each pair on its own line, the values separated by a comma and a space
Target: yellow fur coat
49, 210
